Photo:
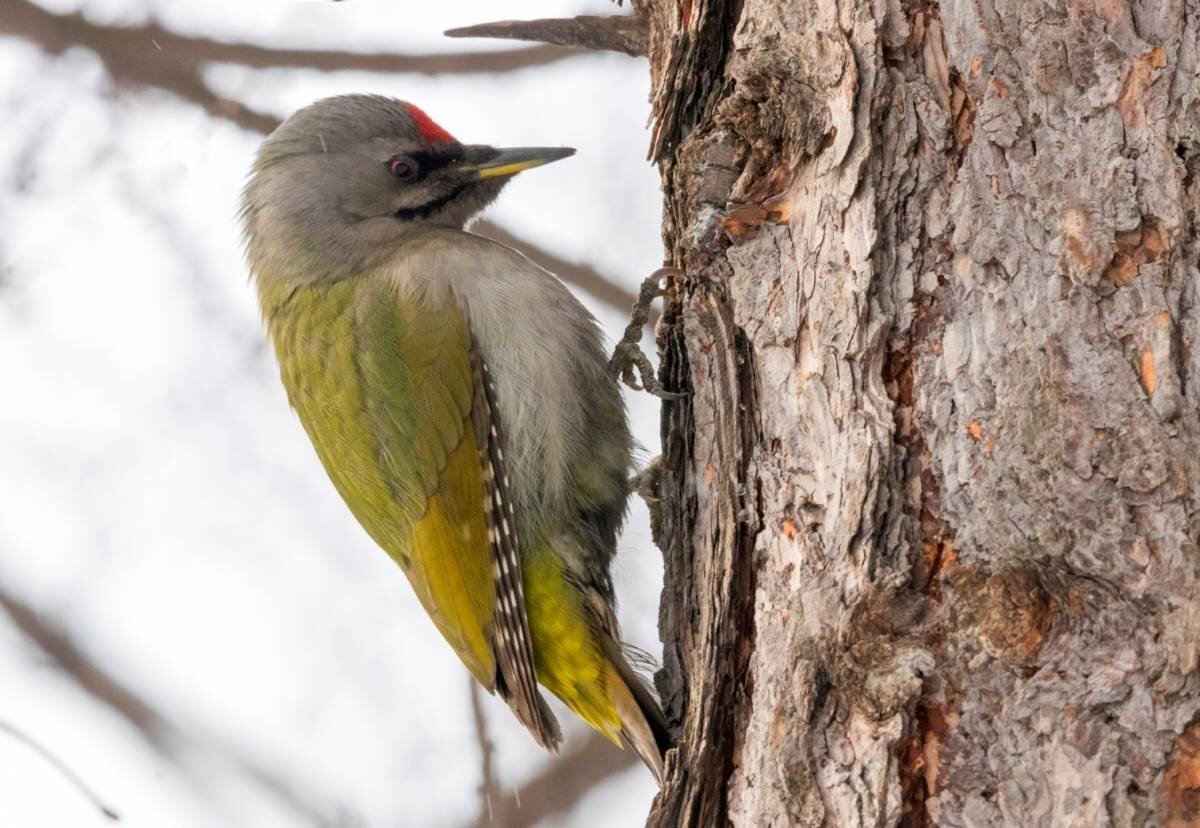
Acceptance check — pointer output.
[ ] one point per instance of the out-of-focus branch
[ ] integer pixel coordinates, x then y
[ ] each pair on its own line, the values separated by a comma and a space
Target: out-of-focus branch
561, 786
62, 767
164, 736
98, 684
154, 57
614, 33
137, 60
149, 42
556, 791
150, 55
488, 791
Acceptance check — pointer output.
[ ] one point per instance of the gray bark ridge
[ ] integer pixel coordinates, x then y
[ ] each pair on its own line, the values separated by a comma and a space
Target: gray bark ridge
931, 507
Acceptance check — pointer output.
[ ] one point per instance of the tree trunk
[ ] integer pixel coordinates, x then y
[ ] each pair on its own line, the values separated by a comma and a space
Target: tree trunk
930, 507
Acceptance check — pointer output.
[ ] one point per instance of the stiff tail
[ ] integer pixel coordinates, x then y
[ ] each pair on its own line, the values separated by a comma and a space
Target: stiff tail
531, 710
643, 726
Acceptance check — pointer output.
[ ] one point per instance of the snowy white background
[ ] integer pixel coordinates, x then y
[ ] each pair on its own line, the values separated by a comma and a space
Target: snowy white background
158, 499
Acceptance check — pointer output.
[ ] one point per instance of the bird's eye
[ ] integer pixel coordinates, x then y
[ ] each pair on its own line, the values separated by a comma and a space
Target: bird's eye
402, 167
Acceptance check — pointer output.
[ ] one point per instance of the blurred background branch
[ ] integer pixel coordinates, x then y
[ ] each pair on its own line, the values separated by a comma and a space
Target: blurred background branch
65, 770
62, 652
488, 789
56, 32
167, 738
558, 789
152, 56
555, 791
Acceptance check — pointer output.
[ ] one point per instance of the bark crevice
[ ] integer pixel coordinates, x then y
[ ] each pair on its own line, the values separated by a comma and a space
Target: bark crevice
959, 244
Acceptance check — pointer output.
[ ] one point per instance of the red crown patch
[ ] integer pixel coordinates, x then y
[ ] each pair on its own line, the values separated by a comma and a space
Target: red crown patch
430, 132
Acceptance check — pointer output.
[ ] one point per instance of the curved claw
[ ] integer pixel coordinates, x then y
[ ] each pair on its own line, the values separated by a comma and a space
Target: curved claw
629, 363
627, 357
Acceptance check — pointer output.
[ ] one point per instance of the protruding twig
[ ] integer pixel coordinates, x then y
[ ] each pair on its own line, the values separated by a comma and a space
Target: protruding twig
613, 33
628, 356
62, 767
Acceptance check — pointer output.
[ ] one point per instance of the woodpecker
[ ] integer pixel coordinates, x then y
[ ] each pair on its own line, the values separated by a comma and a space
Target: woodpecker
458, 397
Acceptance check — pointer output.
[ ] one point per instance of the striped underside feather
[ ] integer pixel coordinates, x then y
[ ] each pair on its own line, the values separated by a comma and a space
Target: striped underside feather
516, 678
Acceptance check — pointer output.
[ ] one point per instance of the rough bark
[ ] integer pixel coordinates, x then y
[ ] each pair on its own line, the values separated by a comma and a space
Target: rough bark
931, 506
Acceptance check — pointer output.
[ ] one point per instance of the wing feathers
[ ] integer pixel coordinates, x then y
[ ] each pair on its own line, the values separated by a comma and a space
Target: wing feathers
516, 677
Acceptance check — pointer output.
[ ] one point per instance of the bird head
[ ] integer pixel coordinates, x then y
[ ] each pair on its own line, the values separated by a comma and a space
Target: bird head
342, 178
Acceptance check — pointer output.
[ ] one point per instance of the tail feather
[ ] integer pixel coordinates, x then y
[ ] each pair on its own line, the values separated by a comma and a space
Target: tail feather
532, 711
643, 726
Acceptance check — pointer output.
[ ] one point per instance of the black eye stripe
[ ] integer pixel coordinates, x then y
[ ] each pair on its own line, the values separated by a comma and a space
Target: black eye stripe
425, 161
432, 161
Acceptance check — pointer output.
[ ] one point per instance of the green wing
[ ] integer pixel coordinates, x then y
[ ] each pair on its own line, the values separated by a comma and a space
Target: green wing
384, 388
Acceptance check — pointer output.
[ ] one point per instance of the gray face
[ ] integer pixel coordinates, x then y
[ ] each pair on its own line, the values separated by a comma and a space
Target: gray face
342, 178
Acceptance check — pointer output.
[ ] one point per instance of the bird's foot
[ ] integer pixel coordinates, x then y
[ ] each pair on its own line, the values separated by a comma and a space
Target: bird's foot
629, 362
646, 483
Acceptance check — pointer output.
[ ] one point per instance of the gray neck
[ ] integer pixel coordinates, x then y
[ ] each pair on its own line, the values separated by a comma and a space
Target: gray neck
301, 240
319, 248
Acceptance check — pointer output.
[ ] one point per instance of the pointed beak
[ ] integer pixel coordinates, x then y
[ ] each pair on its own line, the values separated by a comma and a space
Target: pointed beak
489, 162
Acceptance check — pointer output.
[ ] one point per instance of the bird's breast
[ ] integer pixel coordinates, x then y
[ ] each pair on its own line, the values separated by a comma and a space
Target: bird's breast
569, 443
